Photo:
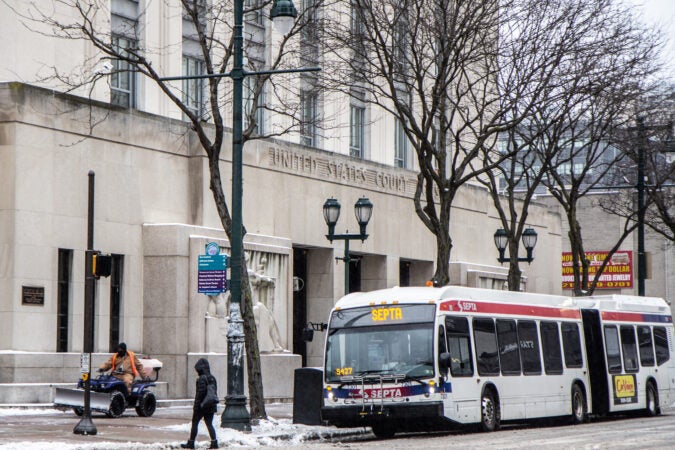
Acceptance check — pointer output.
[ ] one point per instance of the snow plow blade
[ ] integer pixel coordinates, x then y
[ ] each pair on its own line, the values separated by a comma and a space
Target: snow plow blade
99, 401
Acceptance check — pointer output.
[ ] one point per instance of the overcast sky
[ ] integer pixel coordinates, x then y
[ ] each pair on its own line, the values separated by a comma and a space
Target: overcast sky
662, 13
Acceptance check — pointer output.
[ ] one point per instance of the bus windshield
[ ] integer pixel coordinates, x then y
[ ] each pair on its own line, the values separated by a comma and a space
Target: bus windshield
391, 341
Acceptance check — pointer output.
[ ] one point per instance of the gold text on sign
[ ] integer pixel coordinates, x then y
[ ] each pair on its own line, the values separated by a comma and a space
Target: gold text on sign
386, 314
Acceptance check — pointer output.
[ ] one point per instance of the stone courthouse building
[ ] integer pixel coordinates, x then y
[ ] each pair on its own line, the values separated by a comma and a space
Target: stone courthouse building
154, 213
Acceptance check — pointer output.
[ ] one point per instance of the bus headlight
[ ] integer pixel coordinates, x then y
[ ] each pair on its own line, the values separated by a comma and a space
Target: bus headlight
329, 394
431, 388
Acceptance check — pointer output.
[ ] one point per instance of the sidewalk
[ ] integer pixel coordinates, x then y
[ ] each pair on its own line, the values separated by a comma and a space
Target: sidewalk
41, 426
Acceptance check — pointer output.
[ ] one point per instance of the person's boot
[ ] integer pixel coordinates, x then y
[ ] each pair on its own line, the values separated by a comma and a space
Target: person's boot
214, 444
188, 444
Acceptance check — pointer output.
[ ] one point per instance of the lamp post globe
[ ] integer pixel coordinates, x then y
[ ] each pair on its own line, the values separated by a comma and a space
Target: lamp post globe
331, 213
363, 209
283, 14
529, 238
501, 239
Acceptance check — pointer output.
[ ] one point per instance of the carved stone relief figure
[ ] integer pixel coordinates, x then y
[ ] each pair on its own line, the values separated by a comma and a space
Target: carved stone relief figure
264, 282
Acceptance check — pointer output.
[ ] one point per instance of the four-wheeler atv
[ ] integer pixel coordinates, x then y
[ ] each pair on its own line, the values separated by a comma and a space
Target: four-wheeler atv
141, 398
109, 394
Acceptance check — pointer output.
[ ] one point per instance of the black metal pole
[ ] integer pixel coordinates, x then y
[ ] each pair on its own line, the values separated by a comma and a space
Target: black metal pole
236, 415
86, 425
642, 263
347, 261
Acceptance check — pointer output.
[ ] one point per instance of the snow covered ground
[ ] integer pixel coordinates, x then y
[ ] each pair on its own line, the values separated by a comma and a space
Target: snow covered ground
268, 433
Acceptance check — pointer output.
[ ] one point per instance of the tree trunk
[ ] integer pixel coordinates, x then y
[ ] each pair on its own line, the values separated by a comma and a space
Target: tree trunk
255, 384
514, 276
443, 249
255, 388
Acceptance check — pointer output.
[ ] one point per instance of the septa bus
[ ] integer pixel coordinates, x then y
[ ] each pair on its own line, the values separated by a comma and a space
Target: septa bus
428, 358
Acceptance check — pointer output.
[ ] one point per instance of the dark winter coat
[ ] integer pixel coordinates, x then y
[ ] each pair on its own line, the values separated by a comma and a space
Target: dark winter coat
204, 371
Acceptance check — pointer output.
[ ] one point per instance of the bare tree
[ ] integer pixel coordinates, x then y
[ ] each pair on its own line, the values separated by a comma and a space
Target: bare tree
433, 67
211, 38
648, 143
562, 142
453, 76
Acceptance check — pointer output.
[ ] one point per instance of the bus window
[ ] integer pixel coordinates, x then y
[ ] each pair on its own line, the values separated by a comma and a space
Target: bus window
442, 345
629, 348
550, 342
571, 345
509, 357
487, 358
459, 346
529, 347
645, 346
612, 349
661, 345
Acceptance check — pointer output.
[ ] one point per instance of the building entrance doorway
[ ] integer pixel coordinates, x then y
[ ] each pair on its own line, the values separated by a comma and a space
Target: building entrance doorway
299, 302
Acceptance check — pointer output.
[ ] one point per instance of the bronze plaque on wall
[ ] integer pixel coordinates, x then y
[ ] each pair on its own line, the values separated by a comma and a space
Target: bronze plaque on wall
31, 295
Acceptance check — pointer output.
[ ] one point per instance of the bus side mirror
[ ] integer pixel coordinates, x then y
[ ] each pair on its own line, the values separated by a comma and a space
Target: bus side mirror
444, 360
307, 334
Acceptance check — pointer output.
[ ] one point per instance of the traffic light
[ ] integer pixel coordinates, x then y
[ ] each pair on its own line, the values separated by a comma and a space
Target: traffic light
101, 265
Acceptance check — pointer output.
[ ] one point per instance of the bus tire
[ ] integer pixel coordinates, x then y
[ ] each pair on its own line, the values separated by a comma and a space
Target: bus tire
579, 406
652, 398
490, 415
383, 431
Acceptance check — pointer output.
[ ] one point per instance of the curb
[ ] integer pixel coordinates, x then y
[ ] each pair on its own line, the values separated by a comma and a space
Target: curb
161, 403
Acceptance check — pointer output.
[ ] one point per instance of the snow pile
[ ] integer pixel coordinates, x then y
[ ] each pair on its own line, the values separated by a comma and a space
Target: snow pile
271, 432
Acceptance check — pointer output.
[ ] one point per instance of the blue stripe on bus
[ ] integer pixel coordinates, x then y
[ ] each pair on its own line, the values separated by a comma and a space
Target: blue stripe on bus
389, 391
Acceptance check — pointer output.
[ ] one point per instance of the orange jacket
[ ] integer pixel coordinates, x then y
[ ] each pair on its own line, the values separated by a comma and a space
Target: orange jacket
130, 365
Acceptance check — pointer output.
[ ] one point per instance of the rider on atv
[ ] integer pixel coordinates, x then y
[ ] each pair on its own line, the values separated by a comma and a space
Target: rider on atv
125, 365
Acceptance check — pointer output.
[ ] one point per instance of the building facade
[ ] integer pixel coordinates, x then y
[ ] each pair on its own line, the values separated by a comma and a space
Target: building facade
154, 212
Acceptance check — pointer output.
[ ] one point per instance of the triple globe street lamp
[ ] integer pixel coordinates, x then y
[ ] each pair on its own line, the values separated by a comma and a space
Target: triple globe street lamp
363, 209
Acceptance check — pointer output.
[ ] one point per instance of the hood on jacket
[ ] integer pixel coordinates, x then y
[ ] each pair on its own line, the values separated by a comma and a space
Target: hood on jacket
202, 367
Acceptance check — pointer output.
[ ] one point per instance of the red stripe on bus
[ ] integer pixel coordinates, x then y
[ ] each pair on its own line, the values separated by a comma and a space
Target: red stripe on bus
634, 317
505, 308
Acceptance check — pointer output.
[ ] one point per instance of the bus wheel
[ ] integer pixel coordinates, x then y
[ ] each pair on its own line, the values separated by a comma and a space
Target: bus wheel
489, 412
579, 408
652, 400
383, 431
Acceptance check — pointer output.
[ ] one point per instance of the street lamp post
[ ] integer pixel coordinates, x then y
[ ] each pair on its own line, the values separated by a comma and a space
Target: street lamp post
363, 209
236, 415
283, 14
529, 241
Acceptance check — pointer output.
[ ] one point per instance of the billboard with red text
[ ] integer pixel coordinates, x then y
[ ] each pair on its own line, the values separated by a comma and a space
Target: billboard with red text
618, 273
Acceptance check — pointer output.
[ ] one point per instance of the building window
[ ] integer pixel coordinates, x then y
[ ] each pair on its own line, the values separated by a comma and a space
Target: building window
400, 146
356, 131
308, 133
253, 12
116, 279
193, 89
356, 20
123, 77
65, 265
254, 112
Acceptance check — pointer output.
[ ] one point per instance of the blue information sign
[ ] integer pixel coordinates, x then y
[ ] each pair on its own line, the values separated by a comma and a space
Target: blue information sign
211, 275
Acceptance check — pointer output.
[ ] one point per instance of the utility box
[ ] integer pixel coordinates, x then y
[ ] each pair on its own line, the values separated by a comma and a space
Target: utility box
307, 395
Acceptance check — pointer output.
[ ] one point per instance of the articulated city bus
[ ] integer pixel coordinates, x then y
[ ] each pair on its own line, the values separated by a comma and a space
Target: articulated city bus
424, 358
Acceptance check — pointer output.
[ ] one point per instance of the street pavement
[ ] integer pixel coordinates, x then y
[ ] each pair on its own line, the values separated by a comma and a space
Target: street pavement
44, 427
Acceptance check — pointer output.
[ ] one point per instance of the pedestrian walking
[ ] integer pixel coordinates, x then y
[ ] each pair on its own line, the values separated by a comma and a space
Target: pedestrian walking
206, 403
